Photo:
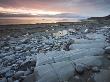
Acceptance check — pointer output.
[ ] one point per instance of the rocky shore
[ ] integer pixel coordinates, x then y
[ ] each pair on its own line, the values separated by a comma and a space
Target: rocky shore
71, 53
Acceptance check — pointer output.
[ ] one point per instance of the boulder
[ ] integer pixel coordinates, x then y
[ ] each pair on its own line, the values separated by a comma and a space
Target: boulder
87, 45
89, 61
59, 56
56, 72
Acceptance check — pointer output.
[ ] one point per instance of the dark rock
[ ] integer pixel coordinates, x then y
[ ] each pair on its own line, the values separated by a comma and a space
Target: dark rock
28, 64
108, 57
66, 47
18, 74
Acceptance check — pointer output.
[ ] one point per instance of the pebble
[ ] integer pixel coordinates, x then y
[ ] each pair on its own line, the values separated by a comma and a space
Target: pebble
18, 48
76, 77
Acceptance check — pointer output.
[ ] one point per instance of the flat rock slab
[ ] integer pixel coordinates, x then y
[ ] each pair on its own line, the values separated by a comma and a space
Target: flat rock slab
90, 60
60, 56
62, 71
103, 76
88, 45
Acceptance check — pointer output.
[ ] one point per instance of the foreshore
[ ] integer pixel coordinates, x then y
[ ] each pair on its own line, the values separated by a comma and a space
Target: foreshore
55, 52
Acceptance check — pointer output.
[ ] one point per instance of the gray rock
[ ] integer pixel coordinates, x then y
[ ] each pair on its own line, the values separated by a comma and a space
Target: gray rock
10, 80
108, 57
95, 69
76, 77
5, 70
3, 80
0, 60
9, 74
103, 76
18, 48
30, 78
79, 68
16, 81
28, 72
25, 41
87, 45
6, 48
18, 74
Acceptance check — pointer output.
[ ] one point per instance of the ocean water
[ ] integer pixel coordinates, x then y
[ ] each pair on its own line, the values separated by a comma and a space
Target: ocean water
33, 20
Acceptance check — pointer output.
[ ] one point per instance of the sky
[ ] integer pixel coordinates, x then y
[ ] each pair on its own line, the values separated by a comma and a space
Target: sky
54, 8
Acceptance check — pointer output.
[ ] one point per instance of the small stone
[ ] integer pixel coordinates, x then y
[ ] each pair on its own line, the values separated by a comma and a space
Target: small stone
76, 77
25, 41
108, 57
65, 47
95, 69
18, 48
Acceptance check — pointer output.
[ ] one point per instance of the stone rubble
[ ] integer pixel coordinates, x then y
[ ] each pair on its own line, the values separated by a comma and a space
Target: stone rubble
22, 57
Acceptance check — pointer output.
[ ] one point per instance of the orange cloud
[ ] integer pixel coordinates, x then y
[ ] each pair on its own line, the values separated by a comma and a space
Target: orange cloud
27, 11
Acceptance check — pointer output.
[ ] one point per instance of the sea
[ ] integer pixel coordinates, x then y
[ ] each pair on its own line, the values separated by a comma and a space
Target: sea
33, 20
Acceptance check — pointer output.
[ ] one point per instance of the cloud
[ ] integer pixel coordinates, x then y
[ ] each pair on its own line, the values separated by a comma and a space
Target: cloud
64, 15
83, 7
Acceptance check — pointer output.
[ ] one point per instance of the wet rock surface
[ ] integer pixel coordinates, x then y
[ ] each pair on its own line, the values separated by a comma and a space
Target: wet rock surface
23, 51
